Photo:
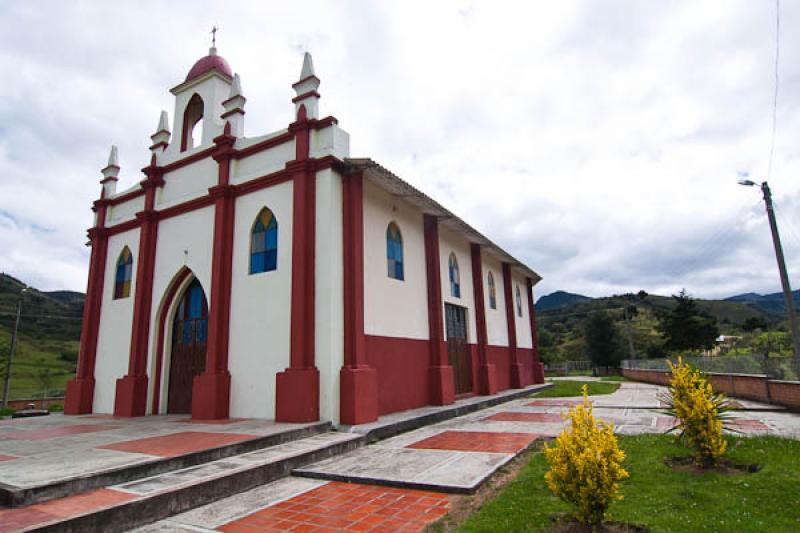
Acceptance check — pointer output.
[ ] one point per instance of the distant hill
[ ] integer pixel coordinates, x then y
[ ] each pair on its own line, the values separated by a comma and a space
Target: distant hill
773, 303
49, 334
559, 299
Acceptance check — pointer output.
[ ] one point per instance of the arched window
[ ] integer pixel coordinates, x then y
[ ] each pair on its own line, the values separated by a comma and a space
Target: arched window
455, 277
264, 243
519, 302
394, 252
122, 279
192, 123
492, 292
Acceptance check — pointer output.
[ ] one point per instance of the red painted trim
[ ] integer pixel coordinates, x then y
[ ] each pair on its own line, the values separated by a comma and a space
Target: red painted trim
163, 317
187, 128
232, 112
517, 379
264, 145
438, 350
303, 96
188, 160
353, 235
162, 145
480, 305
119, 199
312, 77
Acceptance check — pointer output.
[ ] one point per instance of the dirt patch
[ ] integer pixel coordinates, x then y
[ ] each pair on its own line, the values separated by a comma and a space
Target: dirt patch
462, 507
570, 525
723, 466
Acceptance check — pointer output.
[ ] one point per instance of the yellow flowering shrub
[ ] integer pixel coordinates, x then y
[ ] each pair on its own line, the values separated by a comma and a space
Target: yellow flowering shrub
700, 413
586, 464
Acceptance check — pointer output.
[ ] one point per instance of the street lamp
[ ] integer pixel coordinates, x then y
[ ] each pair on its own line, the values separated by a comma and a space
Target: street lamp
787, 290
7, 378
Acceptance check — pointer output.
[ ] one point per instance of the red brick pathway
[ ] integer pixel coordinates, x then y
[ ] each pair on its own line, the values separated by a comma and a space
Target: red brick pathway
42, 513
476, 441
60, 431
216, 421
177, 443
665, 422
511, 416
742, 424
347, 507
7, 457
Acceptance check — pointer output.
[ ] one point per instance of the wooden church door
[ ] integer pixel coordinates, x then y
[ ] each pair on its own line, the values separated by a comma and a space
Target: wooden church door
188, 359
457, 348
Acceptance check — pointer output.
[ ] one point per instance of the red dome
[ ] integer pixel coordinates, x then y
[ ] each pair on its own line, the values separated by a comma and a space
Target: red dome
208, 63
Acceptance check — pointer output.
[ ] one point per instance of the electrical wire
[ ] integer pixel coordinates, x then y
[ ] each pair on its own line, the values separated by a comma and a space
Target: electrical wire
777, 80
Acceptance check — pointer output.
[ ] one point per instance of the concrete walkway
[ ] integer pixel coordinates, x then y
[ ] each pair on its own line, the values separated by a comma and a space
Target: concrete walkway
401, 483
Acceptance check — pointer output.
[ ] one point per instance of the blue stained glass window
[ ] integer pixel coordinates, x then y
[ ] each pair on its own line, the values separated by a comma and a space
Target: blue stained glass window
492, 292
455, 277
264, 243
123, 275
394, 252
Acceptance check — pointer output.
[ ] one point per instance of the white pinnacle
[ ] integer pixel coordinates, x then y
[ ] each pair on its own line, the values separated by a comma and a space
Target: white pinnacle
163, 122
236, 86
308, 67
113, 157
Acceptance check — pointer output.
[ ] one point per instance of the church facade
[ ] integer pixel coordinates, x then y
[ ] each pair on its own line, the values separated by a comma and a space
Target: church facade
277, 277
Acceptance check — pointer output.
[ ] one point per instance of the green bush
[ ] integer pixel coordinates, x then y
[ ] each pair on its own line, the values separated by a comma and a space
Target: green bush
55, 408
7, 411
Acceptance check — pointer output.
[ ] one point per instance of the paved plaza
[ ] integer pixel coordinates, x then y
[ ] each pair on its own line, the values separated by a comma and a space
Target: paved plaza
400, 483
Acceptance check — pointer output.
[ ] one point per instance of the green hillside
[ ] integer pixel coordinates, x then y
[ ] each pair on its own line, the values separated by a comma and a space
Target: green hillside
561, 329
49, 333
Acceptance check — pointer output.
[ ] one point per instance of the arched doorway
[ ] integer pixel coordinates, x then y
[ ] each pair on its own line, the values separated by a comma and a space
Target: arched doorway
188, 357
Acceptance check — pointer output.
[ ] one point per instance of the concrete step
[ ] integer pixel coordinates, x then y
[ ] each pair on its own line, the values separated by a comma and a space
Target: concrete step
15, 496
153, 498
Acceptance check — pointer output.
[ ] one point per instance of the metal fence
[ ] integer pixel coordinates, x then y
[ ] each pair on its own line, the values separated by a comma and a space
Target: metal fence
566, 368
784, 368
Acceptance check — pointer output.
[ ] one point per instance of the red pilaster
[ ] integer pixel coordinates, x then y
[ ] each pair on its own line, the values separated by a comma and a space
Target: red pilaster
516, 368
538, 367
80, 390
442, 386
131, 394
211, 390
358, 382
487, 380
297, 387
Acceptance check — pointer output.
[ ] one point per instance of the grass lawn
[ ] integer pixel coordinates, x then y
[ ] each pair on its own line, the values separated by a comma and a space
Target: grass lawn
666, 500
573, 388
613, 378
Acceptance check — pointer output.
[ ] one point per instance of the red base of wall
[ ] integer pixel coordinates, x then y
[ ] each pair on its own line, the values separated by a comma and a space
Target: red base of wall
297, 395
442, 385
358, 395
517, 376
131, 396
487, 380
538, 373
211, 395
80, 395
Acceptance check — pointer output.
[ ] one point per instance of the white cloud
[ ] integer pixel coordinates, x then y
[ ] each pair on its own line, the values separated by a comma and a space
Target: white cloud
597, 141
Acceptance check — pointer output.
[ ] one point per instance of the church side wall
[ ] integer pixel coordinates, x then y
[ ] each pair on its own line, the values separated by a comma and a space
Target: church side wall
184, 240
395, 312
523, 325
329, 291
116, 317
496, 328
261, 163
451, 242
124, 211
187, 183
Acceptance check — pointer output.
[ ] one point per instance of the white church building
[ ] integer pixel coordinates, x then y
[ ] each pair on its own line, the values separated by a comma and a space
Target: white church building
277, 277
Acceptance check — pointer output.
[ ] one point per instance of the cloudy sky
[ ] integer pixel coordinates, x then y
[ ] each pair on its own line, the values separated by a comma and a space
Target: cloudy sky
598, 141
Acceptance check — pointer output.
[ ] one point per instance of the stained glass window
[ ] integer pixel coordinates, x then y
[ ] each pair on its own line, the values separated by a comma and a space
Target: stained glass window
492, 292
455, 277
264, 243
122, 280
519, 302
394, 252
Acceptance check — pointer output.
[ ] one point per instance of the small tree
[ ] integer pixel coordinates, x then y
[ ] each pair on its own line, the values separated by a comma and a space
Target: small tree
686, 328
586, 464
602, 340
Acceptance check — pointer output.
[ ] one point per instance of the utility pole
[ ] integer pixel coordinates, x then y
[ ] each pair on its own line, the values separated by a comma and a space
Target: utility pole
787, 290
7, 378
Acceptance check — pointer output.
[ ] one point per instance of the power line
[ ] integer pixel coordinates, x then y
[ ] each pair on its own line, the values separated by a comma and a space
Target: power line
777, 80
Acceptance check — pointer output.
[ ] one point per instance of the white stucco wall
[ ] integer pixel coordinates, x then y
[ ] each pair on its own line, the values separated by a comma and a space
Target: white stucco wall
452, 242
185, 240
332, 140
523, 322
496, 328
393, 308
262, 163
187, 182
125, 211
329, 292
116, 318
213, 90
260, 307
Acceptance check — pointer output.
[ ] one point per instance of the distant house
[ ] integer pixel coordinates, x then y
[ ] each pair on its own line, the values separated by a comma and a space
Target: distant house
276, 277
